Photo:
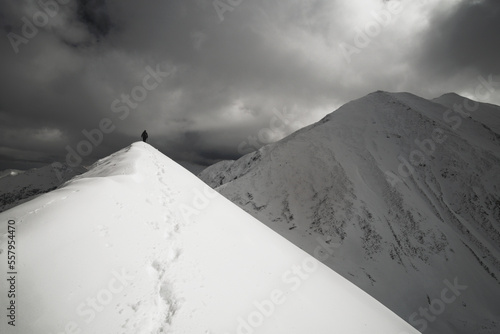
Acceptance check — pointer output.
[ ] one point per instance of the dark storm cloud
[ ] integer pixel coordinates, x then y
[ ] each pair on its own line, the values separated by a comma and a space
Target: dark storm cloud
223, 91
94, 14
227, 80
465, 38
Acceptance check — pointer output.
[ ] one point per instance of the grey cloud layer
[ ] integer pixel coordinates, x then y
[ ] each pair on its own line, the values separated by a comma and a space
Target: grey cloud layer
227, 78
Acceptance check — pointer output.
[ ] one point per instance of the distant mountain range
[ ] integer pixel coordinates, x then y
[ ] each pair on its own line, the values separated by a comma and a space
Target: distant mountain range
405, 190
18, 186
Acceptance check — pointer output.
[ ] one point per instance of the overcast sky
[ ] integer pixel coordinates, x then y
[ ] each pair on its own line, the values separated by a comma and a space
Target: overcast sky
207, 78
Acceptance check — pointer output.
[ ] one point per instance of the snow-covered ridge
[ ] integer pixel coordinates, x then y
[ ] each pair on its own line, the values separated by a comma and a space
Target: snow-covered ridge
140, 245
409, 187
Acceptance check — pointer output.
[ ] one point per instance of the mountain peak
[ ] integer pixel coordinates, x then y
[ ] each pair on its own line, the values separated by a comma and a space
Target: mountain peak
449, 99
451, 95
380, 108
407, 186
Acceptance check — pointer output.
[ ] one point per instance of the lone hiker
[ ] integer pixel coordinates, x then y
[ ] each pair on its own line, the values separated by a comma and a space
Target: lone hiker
144, 136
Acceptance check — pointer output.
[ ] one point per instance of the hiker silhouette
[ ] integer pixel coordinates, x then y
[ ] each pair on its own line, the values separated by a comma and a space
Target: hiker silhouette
144, 136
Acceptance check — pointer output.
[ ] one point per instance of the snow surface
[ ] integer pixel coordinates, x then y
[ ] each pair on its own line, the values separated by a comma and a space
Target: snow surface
399, 241
140, 245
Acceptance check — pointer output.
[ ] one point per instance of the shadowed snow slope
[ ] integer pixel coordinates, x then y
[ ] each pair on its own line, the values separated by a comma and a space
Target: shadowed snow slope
140, 245
407, 186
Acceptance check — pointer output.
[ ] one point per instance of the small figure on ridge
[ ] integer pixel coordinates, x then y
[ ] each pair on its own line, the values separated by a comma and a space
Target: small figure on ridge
144, 136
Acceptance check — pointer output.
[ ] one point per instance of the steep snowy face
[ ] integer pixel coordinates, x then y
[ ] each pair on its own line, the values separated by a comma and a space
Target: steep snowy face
409, 188
17, 186
140, 245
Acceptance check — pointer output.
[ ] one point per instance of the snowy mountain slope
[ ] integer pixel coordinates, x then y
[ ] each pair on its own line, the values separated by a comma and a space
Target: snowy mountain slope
409, 188
140, 245
488, 115
17, 187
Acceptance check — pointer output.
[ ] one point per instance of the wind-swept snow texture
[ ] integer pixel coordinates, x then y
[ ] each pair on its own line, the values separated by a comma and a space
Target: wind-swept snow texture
140, 245
407, 186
